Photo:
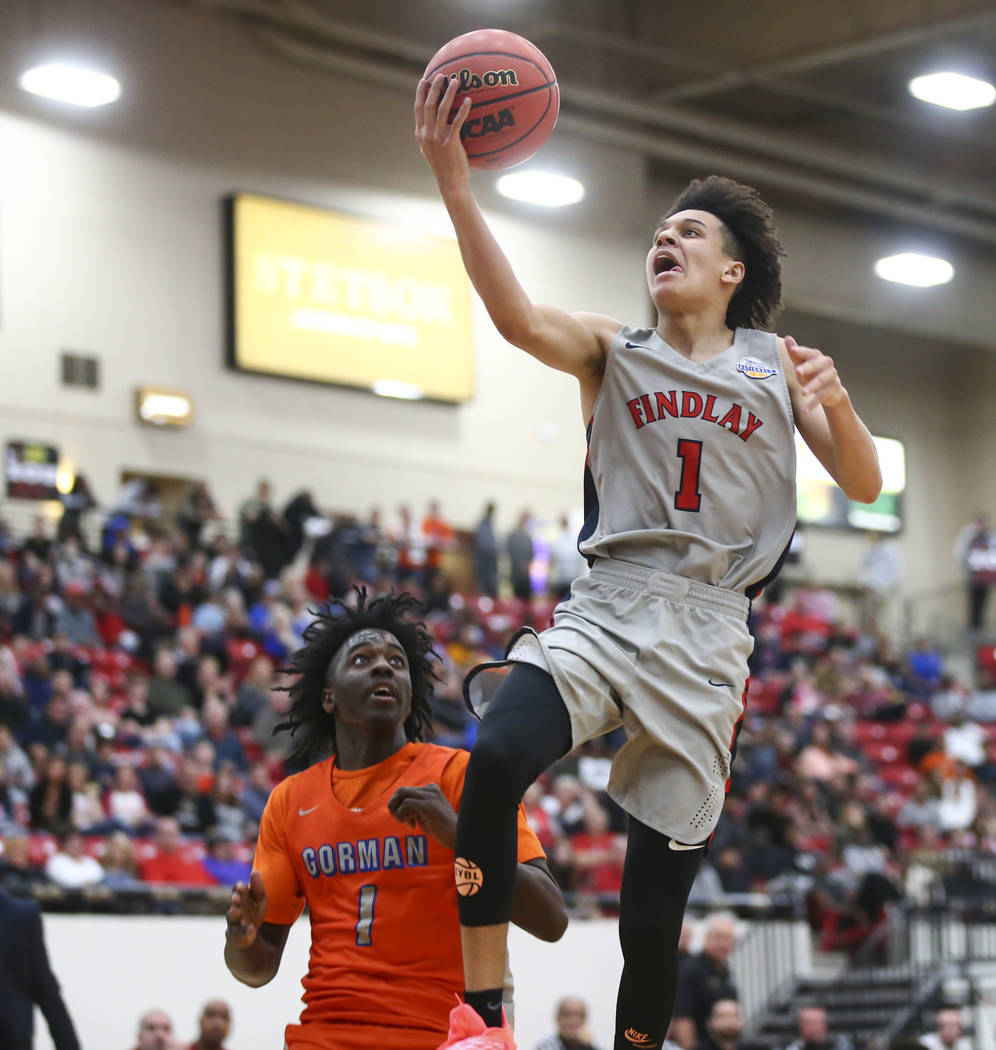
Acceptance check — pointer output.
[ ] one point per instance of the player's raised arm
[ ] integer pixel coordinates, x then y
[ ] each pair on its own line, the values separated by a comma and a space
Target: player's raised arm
828, 423
575, 344
253, 947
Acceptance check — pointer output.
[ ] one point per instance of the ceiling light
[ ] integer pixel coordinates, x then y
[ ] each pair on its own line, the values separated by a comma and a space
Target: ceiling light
953, 90
73, 84
395, 388
919, 270
540, 187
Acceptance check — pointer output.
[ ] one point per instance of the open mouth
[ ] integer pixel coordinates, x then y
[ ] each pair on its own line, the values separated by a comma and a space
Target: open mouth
384, 692
665, 263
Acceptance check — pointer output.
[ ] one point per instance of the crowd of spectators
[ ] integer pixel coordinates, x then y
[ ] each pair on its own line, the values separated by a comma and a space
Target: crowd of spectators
138, 702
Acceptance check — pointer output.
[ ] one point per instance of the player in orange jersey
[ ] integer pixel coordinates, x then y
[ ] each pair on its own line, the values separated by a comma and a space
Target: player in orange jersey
364, 837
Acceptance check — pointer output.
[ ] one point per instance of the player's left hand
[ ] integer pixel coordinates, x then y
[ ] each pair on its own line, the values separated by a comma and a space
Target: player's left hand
818, 379
428, 807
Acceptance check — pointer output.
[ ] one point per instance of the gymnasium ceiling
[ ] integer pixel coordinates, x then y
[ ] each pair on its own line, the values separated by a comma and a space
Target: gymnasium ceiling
807, 98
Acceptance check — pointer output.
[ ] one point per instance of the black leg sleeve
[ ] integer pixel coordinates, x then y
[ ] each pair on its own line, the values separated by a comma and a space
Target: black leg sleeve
526, 729
655, 888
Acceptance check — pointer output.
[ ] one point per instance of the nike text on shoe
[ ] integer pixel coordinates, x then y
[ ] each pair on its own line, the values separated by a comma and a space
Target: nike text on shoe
468, 1032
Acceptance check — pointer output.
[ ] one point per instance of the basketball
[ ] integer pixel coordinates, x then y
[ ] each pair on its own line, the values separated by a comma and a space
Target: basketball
468, 877
514, 93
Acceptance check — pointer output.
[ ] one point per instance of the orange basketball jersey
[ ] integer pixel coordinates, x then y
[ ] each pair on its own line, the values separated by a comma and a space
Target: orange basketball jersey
385, 940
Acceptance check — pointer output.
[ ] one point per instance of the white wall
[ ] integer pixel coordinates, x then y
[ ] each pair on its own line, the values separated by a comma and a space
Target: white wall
113, 969
111, 243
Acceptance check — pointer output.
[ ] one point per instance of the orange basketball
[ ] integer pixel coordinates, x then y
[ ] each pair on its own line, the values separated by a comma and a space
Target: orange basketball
514, 93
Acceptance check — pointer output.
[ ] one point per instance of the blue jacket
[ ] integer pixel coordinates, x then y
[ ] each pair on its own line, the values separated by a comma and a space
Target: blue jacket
26, 979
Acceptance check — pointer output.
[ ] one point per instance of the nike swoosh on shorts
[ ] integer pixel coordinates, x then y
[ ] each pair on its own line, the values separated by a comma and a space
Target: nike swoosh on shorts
305, 812
633, 346
678, 846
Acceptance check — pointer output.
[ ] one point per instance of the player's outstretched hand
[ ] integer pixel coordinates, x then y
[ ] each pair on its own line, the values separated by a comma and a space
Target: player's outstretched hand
437, 136
818, 379
246, 911
428, 807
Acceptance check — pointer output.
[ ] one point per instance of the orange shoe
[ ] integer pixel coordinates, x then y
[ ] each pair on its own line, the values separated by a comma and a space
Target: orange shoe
469, 1032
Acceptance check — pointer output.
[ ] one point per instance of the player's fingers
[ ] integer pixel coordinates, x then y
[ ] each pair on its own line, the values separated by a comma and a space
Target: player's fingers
420, 93
256, 887
461, 115
445, 105
432, 97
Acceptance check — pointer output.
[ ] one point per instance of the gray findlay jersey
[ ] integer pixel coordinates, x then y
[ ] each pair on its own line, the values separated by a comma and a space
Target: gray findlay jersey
691, 466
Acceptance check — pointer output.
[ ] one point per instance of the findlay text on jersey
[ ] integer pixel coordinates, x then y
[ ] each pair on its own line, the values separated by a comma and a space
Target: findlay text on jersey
688, 404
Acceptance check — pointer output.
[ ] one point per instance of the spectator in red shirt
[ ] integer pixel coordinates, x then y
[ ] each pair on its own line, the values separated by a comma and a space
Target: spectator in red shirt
171, 863
215, 1022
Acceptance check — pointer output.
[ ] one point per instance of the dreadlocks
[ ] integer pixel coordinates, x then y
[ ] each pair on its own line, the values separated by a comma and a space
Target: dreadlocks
324, 637
749, 237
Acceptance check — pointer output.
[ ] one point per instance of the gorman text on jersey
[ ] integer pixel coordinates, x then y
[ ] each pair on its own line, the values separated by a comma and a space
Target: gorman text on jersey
688, 404
347, 858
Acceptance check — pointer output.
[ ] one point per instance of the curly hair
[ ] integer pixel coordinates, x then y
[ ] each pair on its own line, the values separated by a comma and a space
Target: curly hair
749, 237
335, 623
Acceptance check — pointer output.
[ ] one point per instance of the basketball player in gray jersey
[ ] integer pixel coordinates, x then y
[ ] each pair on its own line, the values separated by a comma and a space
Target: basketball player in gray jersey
690, 505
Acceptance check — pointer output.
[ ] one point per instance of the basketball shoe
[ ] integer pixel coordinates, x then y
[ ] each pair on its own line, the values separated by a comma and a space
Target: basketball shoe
469, 1032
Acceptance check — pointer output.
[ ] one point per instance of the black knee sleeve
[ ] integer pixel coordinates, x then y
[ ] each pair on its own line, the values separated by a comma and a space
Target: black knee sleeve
526, 729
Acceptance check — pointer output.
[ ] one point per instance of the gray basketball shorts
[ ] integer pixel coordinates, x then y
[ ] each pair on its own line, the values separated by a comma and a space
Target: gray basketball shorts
665, 658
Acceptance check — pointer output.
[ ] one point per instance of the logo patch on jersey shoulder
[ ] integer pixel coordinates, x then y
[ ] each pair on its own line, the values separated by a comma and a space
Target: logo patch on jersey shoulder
754, 369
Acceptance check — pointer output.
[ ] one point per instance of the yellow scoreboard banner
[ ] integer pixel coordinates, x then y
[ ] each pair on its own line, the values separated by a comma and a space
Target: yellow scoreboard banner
336, 299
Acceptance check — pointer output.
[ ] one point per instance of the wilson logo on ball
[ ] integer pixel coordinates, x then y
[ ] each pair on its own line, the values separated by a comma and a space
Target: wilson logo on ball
471, 81
489, 124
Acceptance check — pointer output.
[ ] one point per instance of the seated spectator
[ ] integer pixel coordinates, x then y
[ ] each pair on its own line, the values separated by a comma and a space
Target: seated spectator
18, 875
965, 741
732, 871
253, 694
87, 813
226, 799
222, 862
118, 862
166, 695
74, 619
702, 980
19, 772
958, 804
51, 801
724, 1027
948, 1033
155, 1031
158, 778
572, 1027
126, 804
598, 855
813, 1033
171, 863
926, 668
194, 809
215, 1023
255, 792
820, 759
227, 746
136, 715
71, 867
922, 808
53, 727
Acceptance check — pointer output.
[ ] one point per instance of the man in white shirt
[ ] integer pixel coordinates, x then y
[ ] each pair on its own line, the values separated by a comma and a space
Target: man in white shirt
948, 1034
72, 868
